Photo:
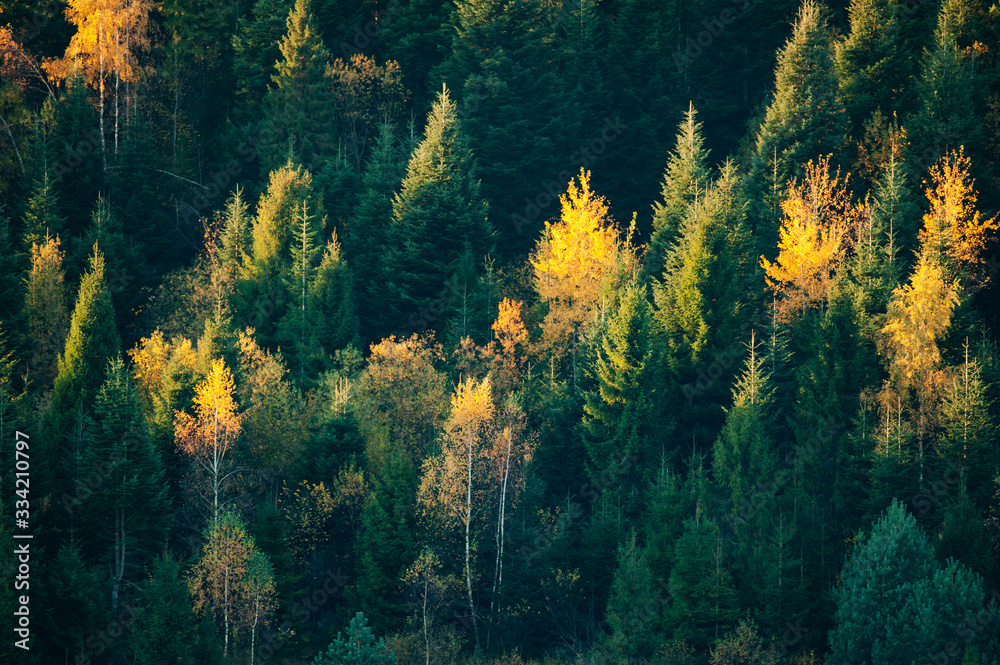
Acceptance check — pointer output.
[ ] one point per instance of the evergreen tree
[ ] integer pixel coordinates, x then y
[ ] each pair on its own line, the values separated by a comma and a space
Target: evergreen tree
873, 62
686, 179
46, 315
127, 517
436, 215
256, 49
896, 603
946, 116
165, 630
632, 607
299, 105
75, 153
520, 119
92, 341
804, 120
358, 647
702, 607
622, 416
42, 216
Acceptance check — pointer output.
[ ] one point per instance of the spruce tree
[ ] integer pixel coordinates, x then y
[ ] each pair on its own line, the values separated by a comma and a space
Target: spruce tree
127, 517
437, 214
947, 114
92, 341
702, 599
686, 179
256, 49
622, 418
873, 64
896, 603
165, 628
521, 120
299, 105
632, 608
42, 216
804, 119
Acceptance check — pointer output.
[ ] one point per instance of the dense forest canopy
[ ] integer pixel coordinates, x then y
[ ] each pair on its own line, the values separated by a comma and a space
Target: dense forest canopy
500, 332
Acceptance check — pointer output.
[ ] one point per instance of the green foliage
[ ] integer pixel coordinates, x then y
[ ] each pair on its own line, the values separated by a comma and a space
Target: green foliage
804, 120
896, 603
166, 631
358, 647
632, 608
92, 341
686, 179
437, 214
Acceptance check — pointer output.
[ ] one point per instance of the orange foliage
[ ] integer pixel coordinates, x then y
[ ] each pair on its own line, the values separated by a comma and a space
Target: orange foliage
954, 231
819, 217
577, 260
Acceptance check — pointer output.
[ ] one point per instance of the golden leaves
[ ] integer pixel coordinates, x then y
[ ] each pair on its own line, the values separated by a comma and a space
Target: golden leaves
954, 231
216, 425
919, 313
819, 218
577, 260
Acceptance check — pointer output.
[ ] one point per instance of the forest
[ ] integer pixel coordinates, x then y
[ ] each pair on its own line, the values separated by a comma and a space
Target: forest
499, 332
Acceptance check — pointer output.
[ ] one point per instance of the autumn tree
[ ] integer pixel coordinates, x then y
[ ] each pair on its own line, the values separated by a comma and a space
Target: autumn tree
232, 580
208, 437
577, 262
366, 97
955, 233
919, 314
819, 219
110, 35
508, 329
451, 479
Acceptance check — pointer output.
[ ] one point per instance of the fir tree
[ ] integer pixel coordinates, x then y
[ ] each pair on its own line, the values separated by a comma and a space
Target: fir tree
42, 217
896, 603
165, 630
947, 101
299, 104
686, 179
702, 607
632, 608
92, 341
437, 213
358, 647
804, 120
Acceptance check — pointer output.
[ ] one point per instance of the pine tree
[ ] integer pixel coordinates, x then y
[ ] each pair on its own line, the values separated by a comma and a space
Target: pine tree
299, 105
92, 341
896, 603
236, 244
686, 179
804, 120
437, 213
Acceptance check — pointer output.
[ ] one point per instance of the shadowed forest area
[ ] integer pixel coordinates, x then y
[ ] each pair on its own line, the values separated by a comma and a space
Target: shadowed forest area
499, 332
